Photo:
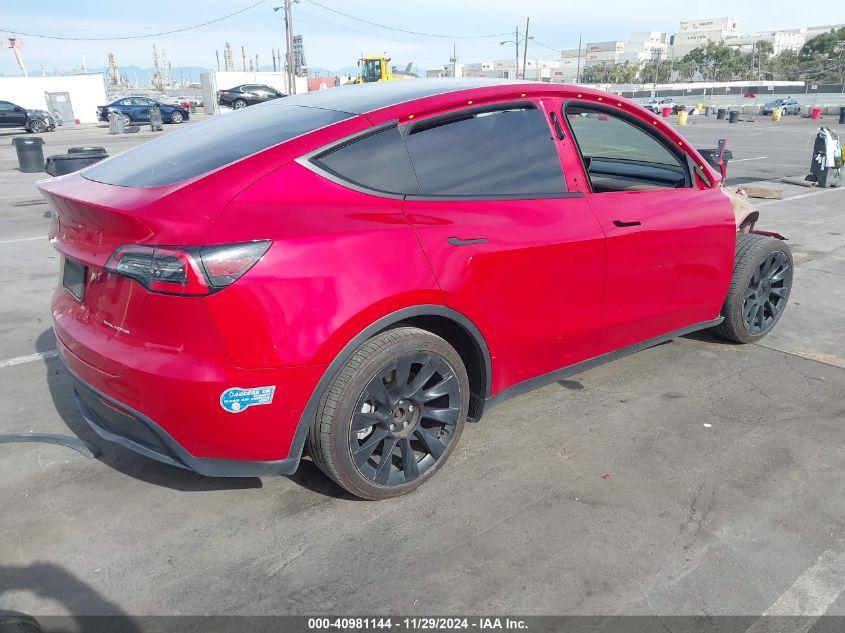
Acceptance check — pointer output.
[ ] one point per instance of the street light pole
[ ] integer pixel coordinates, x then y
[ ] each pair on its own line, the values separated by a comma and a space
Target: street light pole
578, 68
525, 48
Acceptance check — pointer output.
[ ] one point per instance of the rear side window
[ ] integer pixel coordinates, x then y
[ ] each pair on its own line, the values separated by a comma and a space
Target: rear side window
207, 145
378, 161
507, 151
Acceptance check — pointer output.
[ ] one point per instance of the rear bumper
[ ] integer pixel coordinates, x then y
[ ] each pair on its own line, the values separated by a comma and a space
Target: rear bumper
119, 423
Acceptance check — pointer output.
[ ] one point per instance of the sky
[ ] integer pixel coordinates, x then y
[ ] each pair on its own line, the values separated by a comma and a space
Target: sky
334, 41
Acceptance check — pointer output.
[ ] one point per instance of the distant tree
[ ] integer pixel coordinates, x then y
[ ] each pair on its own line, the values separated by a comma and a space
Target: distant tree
824, 44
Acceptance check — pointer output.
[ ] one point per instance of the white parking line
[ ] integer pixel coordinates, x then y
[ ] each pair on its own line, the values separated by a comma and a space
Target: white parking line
809, 596
739, 160
20, 360
24, 239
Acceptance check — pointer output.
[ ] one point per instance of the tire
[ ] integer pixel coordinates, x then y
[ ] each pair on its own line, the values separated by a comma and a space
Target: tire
37, 126
759, 290
176, 117
419, 418
127, 120
239, 103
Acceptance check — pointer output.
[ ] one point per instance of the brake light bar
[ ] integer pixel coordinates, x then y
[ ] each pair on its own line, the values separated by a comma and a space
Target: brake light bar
188, 271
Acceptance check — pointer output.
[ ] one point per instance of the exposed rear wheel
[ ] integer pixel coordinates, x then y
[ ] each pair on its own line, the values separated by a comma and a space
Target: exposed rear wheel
176, 117
759, 290
240, 103
37, 126
392, 415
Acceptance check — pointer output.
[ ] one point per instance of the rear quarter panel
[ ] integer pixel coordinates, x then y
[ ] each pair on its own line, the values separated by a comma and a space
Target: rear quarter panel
340, 260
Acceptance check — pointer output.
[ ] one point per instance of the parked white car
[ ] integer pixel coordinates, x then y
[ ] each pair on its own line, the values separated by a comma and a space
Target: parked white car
657, 105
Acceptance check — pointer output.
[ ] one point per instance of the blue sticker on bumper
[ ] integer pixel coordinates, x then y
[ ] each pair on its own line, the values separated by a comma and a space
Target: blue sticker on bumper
235, 399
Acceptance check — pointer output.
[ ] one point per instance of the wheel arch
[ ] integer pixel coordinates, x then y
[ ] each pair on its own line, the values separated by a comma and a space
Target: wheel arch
456, 328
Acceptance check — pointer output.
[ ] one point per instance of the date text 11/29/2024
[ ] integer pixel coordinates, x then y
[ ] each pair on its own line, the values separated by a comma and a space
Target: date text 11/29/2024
418, 623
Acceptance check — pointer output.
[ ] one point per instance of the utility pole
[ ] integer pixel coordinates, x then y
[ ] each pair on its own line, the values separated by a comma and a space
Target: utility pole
289, 48
578, 68
256, 62
217, 55
525, 48
243, 57
516, 46
659, 53
289, 63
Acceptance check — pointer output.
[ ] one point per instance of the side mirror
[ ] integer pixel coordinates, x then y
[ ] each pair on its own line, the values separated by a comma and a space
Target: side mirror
19, 109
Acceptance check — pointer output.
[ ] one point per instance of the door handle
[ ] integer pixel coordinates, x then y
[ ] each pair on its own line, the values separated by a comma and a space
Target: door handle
620, 223
456, 241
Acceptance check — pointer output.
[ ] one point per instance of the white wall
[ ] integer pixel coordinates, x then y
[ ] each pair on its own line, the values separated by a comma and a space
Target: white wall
86, 93
215, 80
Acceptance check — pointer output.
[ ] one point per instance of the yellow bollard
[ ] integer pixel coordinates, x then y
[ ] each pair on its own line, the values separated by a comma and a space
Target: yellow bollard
682, 117
776, 113
699, 107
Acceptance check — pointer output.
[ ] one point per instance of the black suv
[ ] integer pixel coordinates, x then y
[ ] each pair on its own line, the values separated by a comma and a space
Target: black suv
247, 94
38, 121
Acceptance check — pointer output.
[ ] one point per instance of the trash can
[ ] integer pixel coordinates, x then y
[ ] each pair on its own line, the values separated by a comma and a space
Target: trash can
667, 112
842, 114
776, 113
720, 113
156, 124
734, 116
815, 113
61, 164
89, 149
117, 124
682, 117
30, 150
193, 108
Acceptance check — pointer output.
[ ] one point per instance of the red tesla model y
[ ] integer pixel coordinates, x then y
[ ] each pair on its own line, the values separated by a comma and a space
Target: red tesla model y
353, 273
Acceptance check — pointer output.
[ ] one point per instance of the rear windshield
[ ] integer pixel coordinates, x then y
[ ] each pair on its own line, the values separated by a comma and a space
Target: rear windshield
205, 146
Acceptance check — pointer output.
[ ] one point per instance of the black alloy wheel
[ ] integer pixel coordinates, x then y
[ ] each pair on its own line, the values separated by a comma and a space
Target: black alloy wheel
392, 414
759, 288
405, 419
766, 294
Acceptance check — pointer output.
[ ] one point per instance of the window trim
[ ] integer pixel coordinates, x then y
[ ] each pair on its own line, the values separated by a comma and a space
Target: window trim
683, 157
308, 160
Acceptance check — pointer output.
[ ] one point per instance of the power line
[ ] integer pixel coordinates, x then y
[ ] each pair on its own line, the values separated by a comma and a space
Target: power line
309, 17
551, 48
135, 37
400, 30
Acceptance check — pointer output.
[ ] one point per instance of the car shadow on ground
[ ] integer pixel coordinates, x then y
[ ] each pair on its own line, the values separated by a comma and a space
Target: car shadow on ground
706, 336
48, 581
60, 385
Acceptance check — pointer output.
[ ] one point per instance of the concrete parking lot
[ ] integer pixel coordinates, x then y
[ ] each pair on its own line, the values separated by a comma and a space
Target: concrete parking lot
696, 477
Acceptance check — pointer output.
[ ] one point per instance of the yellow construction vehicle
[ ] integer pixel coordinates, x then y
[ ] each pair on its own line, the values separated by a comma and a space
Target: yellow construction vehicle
377, 68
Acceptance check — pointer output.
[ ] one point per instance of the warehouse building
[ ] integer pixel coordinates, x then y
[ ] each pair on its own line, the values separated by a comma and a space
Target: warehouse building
75, 97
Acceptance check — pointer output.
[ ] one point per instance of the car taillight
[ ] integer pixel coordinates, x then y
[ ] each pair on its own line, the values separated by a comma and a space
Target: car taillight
222, 93
190, 271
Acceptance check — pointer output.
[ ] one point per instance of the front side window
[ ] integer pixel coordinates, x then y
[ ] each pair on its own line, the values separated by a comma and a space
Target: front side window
505, 151
371, 70
619, 155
